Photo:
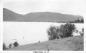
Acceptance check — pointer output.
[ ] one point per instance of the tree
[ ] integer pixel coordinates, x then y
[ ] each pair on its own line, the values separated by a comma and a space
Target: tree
52, 32
82, 20
78, 20
67, 29
16, 44
64, 31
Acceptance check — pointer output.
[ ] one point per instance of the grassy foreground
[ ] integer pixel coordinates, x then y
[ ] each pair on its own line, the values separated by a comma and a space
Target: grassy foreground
66, 44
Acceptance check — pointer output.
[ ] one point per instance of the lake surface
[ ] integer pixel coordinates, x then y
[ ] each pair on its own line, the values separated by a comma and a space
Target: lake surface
28, 32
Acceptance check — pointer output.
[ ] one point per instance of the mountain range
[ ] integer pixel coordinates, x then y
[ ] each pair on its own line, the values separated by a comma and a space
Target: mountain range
11, 16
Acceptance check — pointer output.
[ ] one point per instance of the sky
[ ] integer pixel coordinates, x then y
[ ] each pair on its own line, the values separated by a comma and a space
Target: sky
76, 7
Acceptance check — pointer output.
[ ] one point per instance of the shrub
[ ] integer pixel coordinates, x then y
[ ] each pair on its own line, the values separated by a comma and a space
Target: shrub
10, 45
15, 44
82, 33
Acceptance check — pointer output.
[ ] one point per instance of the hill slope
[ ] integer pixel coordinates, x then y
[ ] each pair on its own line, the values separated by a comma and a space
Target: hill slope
10, 16
66, 44
38, 17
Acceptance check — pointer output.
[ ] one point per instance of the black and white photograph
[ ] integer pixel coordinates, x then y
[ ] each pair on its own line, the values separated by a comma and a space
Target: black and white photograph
44, 25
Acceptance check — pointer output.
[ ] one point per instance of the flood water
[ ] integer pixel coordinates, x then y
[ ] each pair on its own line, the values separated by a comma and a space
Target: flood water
28, 32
